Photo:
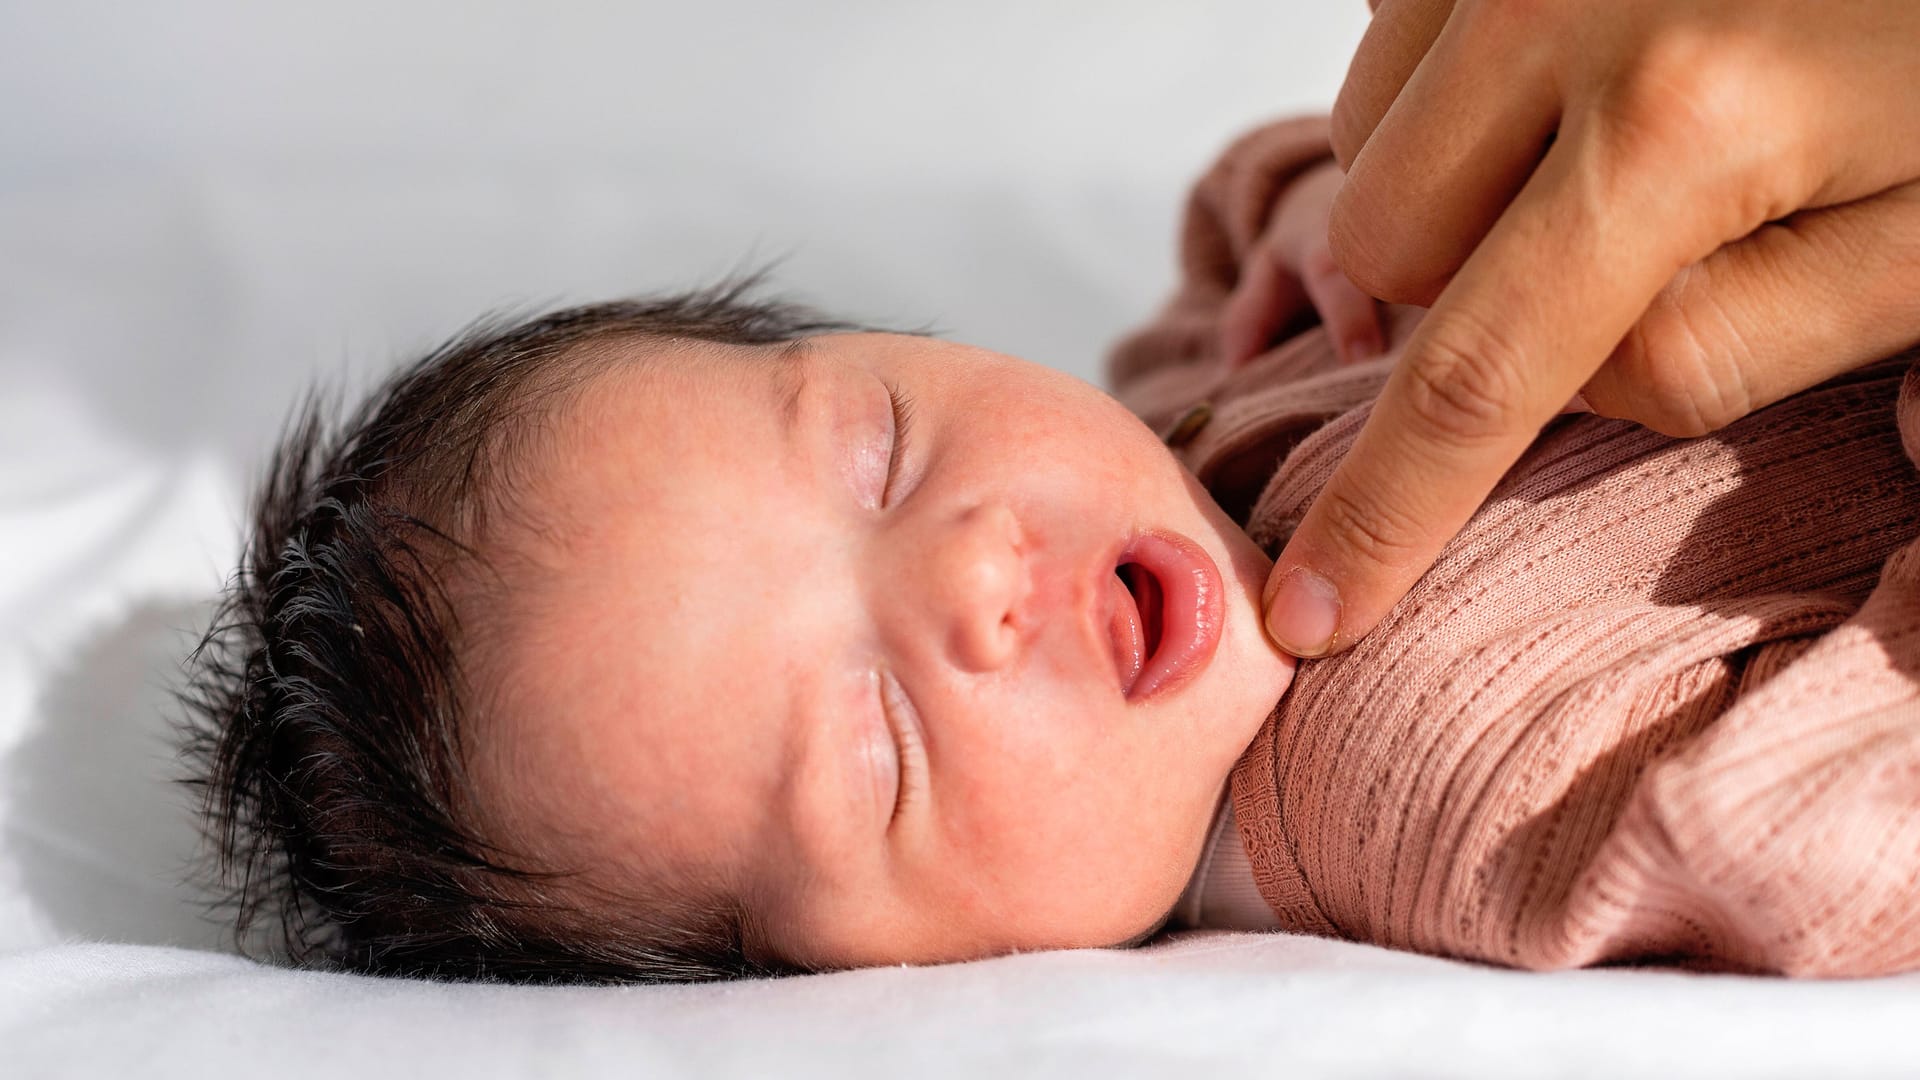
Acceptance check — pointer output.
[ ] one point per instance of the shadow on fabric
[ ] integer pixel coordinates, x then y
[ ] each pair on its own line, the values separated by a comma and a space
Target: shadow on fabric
102, 833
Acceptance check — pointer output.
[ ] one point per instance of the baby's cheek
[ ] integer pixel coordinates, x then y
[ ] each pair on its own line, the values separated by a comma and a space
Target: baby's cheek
1007, 806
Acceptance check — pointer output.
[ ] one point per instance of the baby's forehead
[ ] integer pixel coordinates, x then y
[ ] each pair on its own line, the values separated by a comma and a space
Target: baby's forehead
678, 427
647, 376
642, 412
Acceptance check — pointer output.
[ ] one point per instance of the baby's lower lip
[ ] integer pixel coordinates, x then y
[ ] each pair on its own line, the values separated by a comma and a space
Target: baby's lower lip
1192, 610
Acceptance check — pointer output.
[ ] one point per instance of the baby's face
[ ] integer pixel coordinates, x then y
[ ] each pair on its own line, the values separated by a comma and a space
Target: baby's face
881, 682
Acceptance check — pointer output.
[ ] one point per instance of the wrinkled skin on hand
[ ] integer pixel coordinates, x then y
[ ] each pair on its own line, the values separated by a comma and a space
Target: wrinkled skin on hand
1681, 210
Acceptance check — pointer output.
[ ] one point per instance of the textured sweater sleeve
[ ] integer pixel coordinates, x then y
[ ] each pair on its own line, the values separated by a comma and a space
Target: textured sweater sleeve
1226, 213
1659, 700
1791, 827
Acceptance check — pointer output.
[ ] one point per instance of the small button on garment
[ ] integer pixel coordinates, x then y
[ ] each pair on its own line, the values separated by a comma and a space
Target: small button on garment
1189, 425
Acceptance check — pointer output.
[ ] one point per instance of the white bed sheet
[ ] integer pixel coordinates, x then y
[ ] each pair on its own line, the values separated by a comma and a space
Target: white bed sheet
202, 206
1216, 1003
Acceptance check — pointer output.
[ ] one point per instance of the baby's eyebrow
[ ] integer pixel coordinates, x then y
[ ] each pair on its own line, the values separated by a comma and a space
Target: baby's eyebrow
791, 376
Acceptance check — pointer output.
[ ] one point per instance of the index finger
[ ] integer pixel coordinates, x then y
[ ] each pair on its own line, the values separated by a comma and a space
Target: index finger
1565, 272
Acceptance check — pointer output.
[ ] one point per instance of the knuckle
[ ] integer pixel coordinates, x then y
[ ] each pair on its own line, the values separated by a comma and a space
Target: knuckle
1467, 388
1679, 377
1368, 531
1685, 82
1350, 126
1703, 103
1363, 245
1347, 239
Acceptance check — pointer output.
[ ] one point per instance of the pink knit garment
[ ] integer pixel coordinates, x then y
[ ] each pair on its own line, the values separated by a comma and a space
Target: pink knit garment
1659, 699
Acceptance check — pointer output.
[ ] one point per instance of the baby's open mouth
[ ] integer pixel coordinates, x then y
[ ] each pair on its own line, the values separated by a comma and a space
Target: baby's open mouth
1137, 622
1165, 613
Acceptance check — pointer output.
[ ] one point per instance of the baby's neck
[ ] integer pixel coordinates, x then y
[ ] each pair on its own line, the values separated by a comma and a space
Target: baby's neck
1221, 894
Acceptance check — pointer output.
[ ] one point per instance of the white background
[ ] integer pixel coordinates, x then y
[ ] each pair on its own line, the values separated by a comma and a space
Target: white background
203, 204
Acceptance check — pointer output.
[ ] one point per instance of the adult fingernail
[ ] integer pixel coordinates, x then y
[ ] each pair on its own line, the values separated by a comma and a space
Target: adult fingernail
1304, 613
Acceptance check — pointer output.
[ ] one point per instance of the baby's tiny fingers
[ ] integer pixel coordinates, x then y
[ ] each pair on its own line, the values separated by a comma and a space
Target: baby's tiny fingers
1267, 296
1352, 318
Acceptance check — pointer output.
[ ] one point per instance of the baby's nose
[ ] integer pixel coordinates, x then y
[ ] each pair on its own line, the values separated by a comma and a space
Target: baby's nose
981, 582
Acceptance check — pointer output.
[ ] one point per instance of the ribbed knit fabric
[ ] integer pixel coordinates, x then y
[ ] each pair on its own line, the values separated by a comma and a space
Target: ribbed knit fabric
1660, 698
1222, 894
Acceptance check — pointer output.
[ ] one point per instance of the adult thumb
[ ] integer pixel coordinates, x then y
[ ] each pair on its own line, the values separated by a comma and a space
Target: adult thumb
1791, 305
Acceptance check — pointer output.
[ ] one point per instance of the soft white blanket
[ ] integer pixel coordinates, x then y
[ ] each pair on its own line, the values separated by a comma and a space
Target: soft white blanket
1244, 1005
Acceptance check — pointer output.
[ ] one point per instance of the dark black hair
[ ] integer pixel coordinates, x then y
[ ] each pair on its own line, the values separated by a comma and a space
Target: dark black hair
326, 702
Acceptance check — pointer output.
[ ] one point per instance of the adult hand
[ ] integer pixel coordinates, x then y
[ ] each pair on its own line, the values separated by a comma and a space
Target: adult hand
1681, 210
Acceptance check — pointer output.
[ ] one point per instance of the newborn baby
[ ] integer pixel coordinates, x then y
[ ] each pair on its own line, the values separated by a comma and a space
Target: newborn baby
704, 637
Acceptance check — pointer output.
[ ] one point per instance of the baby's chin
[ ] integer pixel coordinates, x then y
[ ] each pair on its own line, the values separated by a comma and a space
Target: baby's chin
1248, 673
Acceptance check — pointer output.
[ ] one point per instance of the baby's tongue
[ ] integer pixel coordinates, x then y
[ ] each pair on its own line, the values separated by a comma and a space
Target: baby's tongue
1129, 640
